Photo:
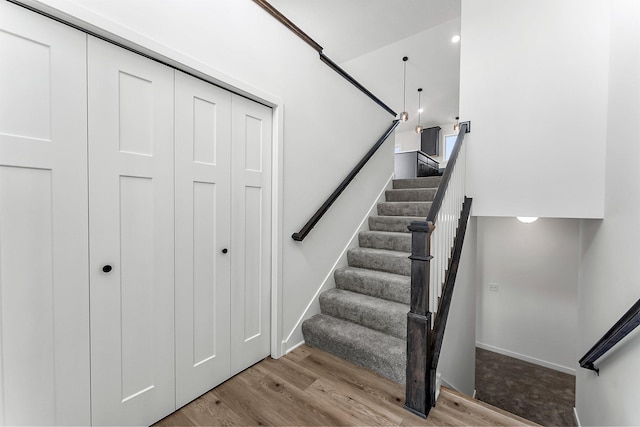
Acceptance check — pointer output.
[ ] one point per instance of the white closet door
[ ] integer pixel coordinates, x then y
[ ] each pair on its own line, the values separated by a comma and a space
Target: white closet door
251, 233
203, 185
44, 315
131, 231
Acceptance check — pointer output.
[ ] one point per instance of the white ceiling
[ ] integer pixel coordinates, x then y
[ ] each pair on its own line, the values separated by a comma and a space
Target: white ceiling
347, 29
368, 38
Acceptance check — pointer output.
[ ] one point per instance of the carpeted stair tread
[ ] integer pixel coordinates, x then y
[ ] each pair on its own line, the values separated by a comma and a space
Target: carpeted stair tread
379, 284
393, 223
364, 319
393, 241
385, 316
357, 344
380, 260
404, 208
411, 195
425, 182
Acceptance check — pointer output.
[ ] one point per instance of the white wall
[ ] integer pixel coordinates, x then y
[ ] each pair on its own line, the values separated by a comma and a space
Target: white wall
321, 139
533, 83
433, 65
610, 272
408, 140
458, 357
533, 315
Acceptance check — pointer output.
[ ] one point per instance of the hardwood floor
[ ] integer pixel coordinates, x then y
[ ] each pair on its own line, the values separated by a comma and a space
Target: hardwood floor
309, 387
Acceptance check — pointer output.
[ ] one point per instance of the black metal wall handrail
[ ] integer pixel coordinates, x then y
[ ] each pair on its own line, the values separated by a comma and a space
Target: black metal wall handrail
623, 327
324, 58
465, 128
300, 235
354, 82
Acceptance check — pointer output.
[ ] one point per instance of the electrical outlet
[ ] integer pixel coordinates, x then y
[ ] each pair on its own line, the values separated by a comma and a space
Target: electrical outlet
493, 287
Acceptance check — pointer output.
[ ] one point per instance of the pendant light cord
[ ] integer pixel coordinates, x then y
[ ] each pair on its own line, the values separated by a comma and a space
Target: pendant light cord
404, 85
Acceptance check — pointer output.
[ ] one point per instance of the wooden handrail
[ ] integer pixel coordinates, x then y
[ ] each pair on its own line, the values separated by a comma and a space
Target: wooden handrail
465, 128
324, 58
623, 327
447, 295
300, 235
424, 342
290, 25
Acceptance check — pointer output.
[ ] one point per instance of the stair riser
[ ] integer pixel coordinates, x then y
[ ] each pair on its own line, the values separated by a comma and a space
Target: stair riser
398, 242
391, 288
404, 208
390, 321
411, 195
426, 182
388, 358
380, 262
390, 223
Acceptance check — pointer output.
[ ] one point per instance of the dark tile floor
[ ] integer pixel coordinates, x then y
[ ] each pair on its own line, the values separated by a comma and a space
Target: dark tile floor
538, 394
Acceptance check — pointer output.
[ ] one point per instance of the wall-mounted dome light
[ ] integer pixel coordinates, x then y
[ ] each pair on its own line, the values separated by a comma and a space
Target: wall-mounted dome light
527, 219
455, 39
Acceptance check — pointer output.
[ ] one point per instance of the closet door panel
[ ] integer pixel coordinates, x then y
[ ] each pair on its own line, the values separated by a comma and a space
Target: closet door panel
44, 316
203, 185
132, 232
251, 233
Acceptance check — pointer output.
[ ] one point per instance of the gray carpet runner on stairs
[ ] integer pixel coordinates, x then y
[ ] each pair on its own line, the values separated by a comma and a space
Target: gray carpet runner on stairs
364, 319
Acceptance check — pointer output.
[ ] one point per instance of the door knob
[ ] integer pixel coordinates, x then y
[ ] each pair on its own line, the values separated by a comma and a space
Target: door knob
225, 250
106, 268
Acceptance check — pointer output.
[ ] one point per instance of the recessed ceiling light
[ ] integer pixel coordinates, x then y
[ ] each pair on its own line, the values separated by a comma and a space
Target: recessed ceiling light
421, 110
527, 219
455, 39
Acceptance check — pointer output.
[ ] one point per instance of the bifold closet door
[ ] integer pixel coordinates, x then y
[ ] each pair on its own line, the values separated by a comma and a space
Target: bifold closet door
250, 233
131, 234
203, 217
44, 311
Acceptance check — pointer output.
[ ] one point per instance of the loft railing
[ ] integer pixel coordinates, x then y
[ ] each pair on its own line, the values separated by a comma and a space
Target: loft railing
300, 235
435, 255
623, 327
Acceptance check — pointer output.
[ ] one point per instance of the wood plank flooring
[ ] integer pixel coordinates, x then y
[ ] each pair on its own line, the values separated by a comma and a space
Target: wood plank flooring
309, 387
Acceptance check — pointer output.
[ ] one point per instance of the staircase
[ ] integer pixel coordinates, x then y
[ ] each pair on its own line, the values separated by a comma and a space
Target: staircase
364, 319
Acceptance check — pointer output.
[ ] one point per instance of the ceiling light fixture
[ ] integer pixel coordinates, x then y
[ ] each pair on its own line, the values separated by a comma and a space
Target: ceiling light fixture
455, 39
456, 127
404, 116
419, 128
527, 219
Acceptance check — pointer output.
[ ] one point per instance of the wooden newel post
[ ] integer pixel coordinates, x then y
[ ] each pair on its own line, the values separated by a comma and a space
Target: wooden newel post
418, 382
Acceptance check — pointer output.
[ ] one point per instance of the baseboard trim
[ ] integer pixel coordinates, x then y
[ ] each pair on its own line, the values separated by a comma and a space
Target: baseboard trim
293, 347
447, 385
525, 358
575, 415
306, 314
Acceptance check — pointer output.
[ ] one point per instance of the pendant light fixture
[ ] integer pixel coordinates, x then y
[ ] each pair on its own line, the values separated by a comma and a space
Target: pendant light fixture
419, 128
456, 127
404, 116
